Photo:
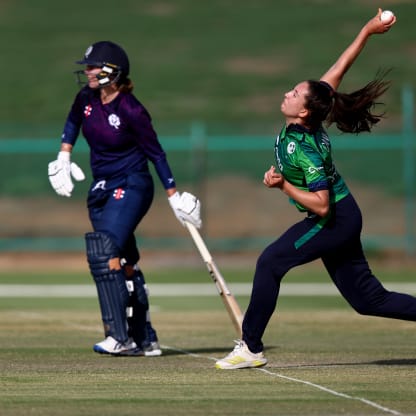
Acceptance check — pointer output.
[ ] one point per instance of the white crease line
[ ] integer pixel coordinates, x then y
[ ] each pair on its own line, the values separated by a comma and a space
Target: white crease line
333, 392
181, 289
296, 380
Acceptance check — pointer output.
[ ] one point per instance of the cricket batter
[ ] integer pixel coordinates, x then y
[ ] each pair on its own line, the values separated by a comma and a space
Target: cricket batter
332, 226
121, 138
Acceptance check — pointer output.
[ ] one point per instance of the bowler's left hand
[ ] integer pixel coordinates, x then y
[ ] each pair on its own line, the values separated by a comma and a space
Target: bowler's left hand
272, 179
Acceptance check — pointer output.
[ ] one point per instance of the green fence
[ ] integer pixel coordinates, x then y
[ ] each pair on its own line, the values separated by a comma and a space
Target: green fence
225, 171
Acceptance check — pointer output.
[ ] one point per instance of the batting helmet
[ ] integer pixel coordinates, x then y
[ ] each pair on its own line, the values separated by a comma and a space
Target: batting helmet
111, 58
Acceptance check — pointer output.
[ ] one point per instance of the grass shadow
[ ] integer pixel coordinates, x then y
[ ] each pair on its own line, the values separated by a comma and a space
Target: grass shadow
393, 362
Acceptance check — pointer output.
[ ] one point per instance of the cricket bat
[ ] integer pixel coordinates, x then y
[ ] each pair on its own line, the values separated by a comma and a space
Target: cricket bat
227, 297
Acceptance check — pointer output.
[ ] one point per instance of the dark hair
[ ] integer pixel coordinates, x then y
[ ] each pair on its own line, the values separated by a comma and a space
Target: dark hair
352, 113
125, 85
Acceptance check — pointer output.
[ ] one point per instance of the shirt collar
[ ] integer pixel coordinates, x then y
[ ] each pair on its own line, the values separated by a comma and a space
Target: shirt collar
297, 128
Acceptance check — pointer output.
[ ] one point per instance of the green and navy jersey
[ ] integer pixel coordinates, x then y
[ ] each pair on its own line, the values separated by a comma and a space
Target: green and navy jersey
305, 160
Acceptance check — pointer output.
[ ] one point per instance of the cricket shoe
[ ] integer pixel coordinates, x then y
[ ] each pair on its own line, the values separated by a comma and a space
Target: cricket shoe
114, 347
241, 357
152, 349
134, 352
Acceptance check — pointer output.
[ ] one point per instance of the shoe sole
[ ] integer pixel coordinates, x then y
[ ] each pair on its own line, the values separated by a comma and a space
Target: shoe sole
153, 353
100, 350
134, 352
244, 364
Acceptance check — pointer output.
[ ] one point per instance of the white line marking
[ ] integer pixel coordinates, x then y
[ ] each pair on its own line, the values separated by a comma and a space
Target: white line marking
330, 391
270, 373
181, 289
296, 380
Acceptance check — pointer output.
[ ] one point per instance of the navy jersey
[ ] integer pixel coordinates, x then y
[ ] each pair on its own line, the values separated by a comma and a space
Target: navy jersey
120, 136
305, 160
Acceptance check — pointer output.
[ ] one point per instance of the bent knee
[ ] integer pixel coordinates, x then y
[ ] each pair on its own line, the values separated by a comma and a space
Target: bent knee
102, 253
364, 307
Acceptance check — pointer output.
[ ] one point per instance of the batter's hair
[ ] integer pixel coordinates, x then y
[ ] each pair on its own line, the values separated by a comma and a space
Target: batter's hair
352, 113
125, 85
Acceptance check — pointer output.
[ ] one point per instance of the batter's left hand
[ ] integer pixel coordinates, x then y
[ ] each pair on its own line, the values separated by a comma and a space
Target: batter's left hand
186, 207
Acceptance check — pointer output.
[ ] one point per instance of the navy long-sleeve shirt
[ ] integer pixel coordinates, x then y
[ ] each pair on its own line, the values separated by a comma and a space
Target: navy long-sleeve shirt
120, 136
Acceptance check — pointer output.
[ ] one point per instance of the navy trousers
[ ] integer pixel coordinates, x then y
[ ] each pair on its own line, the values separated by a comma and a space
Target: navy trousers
335, 240
116, 206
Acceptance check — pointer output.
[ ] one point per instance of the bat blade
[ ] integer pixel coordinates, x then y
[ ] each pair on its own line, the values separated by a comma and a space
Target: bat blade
227, 297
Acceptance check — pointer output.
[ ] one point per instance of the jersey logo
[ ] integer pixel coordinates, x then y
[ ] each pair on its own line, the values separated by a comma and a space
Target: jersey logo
114, 120
99, 185
87, 110
291, 147
119, 193
313, 170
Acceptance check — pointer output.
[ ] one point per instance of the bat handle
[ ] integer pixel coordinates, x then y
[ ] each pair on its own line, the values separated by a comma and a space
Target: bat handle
199, 242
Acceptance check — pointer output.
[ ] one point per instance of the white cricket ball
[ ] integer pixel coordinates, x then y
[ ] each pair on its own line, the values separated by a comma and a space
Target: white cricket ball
386, 16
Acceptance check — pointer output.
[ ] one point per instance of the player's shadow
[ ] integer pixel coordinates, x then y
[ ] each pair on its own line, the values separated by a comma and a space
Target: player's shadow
396, 361
392, 362
196, 351
221, 351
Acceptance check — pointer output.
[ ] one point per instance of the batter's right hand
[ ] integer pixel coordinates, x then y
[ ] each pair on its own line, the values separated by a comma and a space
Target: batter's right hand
61, 171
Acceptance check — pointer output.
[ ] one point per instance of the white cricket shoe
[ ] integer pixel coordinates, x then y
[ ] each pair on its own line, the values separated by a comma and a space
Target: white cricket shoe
152, 349
114, 347
241, 357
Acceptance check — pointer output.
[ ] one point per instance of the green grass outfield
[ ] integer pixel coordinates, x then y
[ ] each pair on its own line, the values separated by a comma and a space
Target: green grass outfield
217, 61
324, 359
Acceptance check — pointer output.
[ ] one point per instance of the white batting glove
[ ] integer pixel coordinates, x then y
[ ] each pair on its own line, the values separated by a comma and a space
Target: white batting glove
60, 172
186, 207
